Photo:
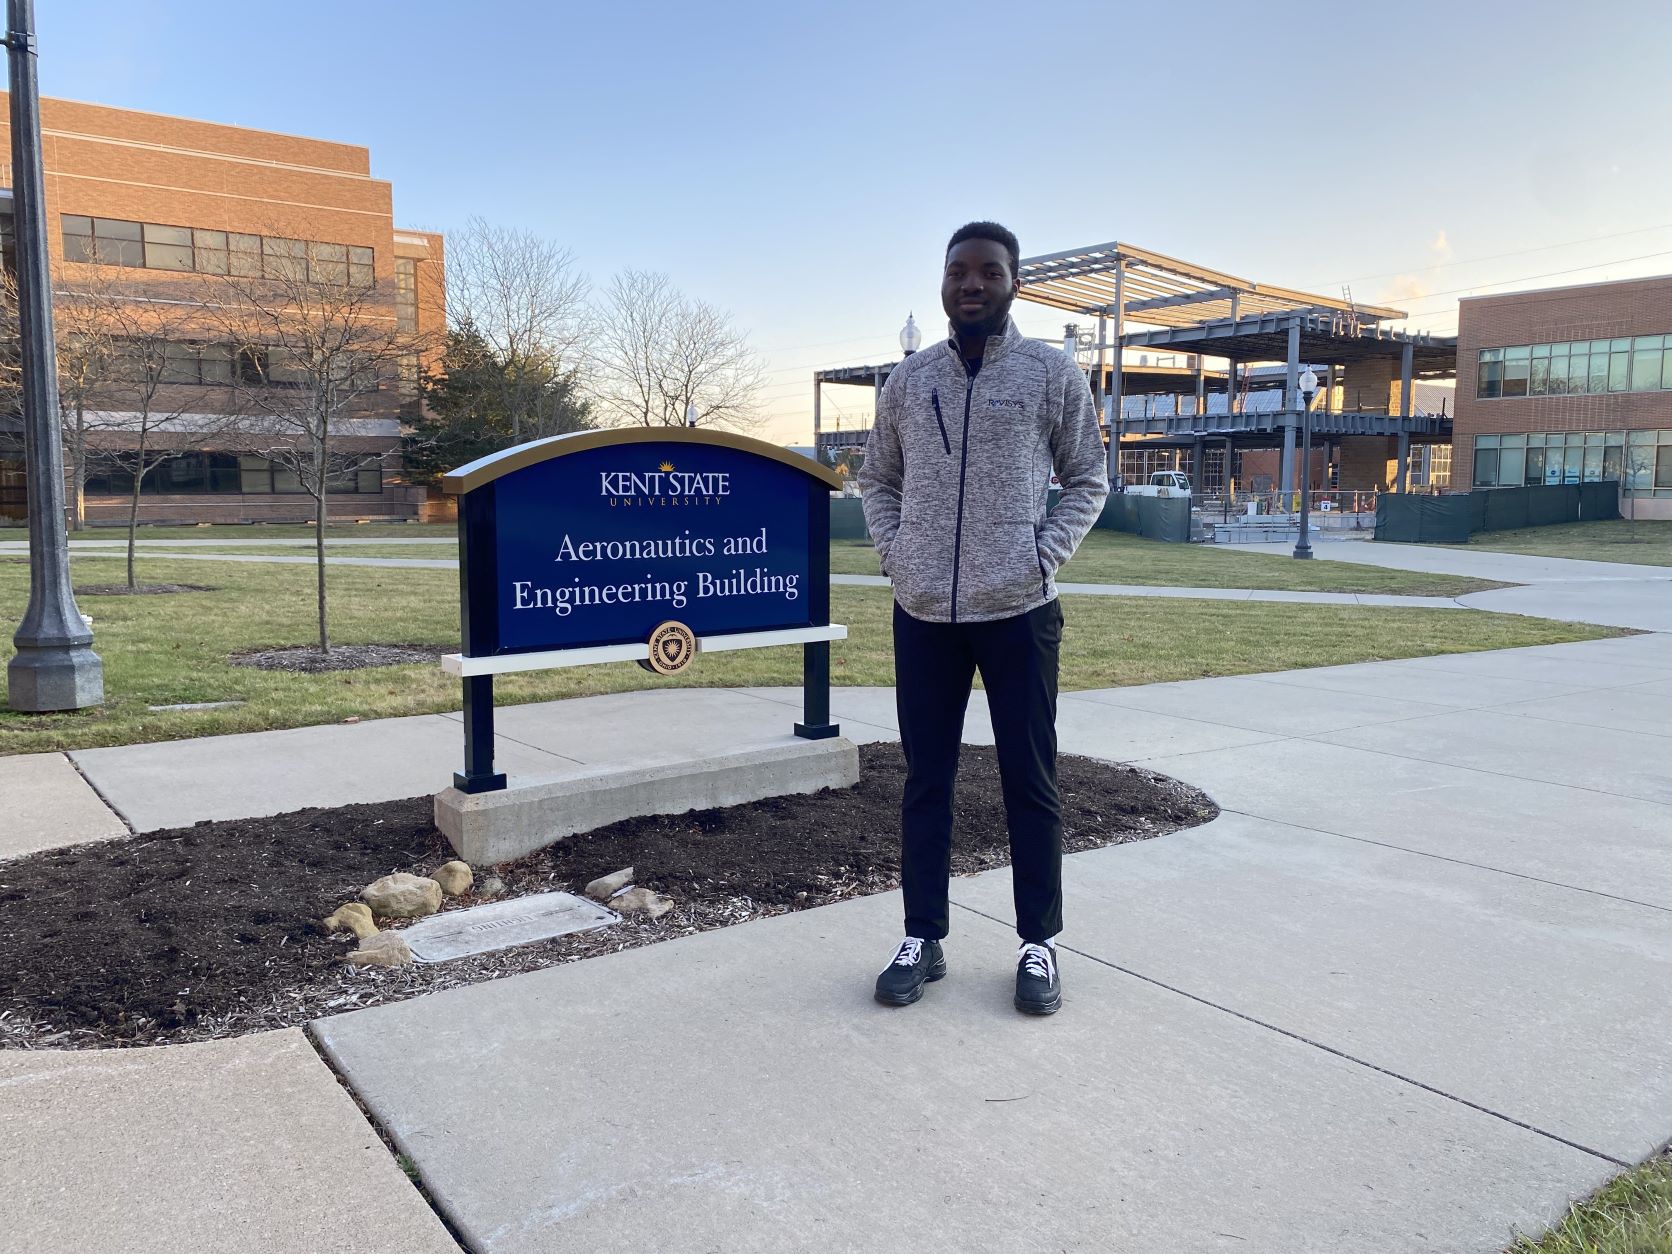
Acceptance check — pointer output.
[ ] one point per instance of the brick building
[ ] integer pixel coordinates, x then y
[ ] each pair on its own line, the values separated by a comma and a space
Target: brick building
1569, 385
160, 202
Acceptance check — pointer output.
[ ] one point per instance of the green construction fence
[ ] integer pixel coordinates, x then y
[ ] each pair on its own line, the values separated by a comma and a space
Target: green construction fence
1411, 518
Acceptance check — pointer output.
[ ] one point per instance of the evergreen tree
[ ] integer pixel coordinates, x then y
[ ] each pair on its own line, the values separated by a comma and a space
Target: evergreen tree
477, 403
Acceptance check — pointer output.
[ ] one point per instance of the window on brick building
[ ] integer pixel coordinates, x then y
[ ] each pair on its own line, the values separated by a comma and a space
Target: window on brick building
359, 266
1552, 457
1491, 378
105, 241
1516, 363
1578, 367
406, 294
260, 476
190, 474
154, 246
167, 247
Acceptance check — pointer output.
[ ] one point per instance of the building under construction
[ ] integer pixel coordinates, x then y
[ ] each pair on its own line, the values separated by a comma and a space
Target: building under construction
1199, 370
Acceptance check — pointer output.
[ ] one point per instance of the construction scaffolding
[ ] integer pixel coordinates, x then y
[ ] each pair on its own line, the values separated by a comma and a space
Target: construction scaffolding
1177, 318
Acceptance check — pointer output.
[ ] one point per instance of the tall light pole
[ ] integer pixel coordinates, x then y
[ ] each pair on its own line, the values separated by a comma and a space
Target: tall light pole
55, 667
1308, 384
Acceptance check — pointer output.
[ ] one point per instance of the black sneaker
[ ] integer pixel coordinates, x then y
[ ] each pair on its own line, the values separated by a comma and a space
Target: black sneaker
1038, 983
915, 963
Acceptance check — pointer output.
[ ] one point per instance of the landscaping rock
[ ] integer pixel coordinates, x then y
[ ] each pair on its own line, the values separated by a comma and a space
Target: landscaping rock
386, 949
454, 877
402, 896
641, 901
606, 886
493, 886
352, 917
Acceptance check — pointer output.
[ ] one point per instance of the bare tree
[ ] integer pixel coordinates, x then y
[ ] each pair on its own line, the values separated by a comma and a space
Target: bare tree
661, 358
522, 298
315, 351
86, 358
151, 377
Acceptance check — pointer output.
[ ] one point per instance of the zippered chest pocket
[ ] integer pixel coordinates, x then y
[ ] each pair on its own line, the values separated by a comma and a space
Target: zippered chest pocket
940, 419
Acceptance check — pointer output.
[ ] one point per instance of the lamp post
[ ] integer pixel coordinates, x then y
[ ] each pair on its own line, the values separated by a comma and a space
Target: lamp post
55, 667
691, 415
1308, 384
910, 337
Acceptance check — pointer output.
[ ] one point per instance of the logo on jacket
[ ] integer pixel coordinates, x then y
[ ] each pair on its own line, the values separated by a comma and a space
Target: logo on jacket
1015, 407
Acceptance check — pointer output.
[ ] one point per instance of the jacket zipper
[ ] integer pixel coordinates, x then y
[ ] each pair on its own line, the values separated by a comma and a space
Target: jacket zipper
934, 396
963, 470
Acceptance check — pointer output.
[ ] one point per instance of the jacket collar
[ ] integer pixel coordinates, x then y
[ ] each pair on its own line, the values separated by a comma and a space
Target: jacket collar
998, 344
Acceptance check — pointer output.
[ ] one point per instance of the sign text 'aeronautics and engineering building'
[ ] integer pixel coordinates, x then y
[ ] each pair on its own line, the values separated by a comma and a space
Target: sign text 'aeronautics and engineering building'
599, 542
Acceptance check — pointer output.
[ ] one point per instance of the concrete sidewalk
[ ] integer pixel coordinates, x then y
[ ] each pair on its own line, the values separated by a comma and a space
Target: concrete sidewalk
1213, 594
247, 1144
1610, 594
48, 804
1401, 995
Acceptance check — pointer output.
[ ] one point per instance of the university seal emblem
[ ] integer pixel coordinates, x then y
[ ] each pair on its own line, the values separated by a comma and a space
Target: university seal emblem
672, 646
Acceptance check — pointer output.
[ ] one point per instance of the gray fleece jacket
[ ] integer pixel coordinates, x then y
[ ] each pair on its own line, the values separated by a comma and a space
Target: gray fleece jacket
956, 477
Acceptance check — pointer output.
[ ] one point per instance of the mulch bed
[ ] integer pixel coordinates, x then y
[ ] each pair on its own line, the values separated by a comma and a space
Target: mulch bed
211, 930
342, 657
138, 590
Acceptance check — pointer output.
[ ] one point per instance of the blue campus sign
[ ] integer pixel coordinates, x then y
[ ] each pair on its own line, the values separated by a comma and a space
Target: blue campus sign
596, 538
648, 543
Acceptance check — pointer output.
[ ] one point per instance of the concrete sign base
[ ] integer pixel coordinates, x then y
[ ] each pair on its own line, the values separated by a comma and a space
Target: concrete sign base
491, 827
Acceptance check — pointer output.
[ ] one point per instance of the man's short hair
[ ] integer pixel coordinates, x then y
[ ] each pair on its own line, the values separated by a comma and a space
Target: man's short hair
994, 232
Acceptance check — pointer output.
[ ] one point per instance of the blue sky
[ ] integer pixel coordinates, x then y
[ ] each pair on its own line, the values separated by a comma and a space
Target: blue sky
800, 165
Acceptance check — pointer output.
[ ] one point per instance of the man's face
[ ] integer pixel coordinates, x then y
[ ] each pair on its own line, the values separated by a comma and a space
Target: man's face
977, 287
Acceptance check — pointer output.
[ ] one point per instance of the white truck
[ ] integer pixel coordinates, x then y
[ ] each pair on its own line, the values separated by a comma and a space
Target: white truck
1162, 483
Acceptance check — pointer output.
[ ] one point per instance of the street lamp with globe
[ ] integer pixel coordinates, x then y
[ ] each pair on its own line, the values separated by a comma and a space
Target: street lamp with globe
910, 337
1308, 384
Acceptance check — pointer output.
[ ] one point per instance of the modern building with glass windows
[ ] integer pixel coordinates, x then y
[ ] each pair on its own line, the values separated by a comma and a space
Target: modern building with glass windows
1569, 385
150, 200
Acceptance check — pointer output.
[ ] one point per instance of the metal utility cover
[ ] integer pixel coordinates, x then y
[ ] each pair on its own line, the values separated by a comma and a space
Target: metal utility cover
503, 924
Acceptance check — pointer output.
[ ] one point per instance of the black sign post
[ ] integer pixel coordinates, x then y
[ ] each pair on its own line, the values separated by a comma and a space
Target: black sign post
476, 610
815, 658
581, 548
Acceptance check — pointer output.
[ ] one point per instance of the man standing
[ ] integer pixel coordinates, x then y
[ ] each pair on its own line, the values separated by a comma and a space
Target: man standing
955, 481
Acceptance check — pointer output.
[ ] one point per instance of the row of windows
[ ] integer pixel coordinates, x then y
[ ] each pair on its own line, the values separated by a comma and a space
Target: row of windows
1639, 364
194, 474
223, 365
113, 242
1642, 460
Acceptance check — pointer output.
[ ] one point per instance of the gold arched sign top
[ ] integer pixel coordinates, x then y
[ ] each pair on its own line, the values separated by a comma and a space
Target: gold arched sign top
487, 469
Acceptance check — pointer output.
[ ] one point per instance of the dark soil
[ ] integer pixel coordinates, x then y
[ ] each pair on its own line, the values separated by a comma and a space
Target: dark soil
343, 657
138, 590
212, 930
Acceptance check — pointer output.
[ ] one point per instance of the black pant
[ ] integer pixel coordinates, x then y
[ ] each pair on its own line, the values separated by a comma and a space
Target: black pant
934, 665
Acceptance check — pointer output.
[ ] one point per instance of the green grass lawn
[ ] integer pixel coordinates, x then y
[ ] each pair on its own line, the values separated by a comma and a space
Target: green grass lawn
163, 650
1643, 543
1116, 557
1631, 1214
